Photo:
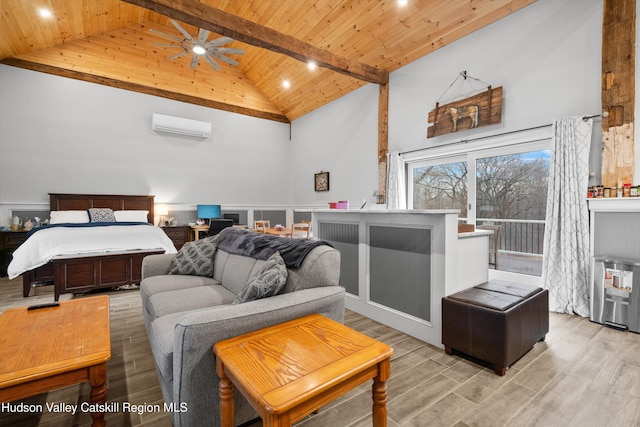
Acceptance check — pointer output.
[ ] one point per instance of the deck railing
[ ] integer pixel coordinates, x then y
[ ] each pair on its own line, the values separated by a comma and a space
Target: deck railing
520, 244
518, 235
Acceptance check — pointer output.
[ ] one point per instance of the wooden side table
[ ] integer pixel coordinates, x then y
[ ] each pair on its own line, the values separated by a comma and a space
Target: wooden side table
9, 242
197, 229
179, 234
49, 348
289, 370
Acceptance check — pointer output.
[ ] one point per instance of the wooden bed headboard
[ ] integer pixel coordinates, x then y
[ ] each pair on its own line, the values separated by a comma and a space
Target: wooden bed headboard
68, 202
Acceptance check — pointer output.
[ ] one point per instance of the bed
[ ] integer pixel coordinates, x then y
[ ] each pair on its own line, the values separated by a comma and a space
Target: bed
105, 260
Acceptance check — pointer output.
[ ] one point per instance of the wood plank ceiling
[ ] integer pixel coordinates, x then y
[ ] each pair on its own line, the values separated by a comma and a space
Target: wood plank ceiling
110, 42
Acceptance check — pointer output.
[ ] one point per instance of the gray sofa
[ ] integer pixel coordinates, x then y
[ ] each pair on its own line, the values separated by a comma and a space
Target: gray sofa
185, 315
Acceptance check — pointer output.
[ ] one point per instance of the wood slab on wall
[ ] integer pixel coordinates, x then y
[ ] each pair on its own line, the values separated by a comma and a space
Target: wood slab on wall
618, 92
488, 105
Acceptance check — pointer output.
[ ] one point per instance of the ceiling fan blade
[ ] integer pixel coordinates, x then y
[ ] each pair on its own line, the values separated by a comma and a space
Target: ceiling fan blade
228, 50
167, 45
213, 63
203, 35
219, 41
194, 61
183, 31
169, 36
177, 55
224, 58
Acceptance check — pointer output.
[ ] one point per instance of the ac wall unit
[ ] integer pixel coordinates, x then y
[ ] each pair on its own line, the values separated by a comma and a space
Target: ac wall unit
180, 126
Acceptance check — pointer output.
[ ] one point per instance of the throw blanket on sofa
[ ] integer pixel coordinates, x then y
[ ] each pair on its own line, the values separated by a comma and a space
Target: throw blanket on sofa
262, 246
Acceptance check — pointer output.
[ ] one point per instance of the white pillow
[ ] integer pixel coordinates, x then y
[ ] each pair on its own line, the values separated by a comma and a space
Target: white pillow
131, 216
68, 217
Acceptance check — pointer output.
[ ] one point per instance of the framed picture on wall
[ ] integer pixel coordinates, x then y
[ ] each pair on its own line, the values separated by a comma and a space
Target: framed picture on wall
321, 181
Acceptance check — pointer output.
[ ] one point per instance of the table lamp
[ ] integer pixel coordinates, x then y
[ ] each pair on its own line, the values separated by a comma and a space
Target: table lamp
161, 211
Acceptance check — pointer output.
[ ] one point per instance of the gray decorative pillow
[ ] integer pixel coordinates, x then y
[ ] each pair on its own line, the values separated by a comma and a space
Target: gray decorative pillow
266, 282
101, 215
195, 258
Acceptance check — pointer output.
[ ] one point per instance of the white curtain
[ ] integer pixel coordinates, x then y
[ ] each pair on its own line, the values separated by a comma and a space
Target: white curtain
396, 191
565, 268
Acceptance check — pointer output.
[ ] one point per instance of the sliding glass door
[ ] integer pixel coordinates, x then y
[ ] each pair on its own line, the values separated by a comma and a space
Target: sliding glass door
503, 189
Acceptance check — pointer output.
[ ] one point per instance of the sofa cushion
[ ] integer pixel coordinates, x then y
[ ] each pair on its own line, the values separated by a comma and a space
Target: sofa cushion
164, 283
161, 340
233, 271
195, 258
189, 299
266, 282
317, 270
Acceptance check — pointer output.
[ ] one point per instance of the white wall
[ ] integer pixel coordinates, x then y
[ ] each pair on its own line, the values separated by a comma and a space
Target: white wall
64, 135
340, 138
547, 58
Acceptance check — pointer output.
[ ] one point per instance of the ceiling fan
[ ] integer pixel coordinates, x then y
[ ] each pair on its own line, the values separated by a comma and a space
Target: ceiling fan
200, 47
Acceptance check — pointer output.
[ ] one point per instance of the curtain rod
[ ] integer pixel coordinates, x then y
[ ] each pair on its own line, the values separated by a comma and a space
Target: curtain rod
465, 141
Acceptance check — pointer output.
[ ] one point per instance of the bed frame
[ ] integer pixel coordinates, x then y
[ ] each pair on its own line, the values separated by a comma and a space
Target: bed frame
81, 273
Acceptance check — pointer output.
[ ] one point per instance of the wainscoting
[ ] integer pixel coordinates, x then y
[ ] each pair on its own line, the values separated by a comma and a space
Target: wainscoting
397, 265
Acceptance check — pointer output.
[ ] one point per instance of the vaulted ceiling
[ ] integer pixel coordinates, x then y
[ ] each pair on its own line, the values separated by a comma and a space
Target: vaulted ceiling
355, 42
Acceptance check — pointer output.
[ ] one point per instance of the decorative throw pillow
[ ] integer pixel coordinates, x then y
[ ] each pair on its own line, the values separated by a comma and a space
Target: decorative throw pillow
266, 282
101, 215
195, 258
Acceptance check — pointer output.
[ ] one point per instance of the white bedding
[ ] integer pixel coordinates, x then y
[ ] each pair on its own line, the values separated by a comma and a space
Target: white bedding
45, 244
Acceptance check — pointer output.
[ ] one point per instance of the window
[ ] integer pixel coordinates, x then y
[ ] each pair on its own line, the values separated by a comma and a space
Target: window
441, 186
502, 188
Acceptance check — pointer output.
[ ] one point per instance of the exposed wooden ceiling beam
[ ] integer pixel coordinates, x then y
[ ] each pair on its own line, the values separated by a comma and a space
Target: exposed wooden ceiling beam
203, 16
135, 87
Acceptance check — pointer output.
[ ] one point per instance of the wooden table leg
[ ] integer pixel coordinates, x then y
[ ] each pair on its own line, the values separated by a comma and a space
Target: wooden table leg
98, 395
282, 420
225, 389
379, 394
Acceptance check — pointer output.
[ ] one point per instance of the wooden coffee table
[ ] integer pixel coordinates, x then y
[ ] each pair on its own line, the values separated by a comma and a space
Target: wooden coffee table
49, 348
289, 370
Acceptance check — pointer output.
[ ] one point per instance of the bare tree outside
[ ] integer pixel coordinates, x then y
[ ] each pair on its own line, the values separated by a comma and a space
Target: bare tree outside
441, 187
512, 186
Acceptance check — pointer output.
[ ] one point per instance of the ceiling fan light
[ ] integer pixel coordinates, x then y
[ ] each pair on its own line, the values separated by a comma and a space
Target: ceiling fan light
198, 50
45, 13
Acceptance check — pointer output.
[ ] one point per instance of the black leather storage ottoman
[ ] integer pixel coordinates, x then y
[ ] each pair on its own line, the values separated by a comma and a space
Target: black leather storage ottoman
498, 321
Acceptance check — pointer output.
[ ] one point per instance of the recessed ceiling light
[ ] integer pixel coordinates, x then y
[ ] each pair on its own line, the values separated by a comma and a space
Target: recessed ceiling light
45, 13
312, 65
198, 50
286, 84
403, 3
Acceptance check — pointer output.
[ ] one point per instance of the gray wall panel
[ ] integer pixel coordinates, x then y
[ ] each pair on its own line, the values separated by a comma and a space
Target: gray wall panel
617, 234
344, 237
400, 269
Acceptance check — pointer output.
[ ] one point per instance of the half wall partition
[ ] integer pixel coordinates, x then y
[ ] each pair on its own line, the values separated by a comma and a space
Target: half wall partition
397, 265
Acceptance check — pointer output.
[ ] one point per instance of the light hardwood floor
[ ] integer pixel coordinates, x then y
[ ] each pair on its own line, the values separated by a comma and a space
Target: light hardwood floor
582, 375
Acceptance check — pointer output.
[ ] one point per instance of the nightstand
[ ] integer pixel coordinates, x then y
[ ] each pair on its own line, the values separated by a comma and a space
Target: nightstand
179, 234
9, 242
